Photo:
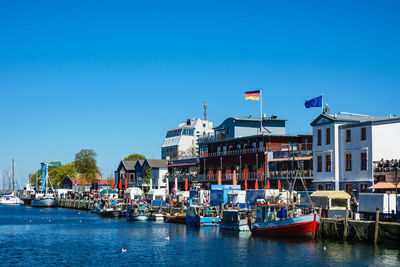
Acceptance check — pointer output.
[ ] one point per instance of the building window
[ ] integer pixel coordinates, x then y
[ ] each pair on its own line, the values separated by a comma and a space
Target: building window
320, 187
328, 187
363, 161
319, 137
348, 162
364, 188
348, 135
319, 164
363, 133
328, 162
349, 188
328, 136
254, 145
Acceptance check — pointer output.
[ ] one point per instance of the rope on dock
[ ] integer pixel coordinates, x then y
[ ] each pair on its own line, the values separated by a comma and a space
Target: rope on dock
358, 236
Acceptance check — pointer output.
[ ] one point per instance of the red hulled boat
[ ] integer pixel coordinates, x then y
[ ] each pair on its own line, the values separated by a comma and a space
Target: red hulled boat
273, 220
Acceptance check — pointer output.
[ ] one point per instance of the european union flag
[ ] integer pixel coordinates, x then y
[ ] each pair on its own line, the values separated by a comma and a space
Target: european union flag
314, 102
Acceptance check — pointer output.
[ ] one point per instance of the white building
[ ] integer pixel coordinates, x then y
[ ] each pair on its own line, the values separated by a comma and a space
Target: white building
345, 147
182, 142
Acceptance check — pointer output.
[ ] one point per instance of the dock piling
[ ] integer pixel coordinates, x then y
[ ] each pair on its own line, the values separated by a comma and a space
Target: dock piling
376, 226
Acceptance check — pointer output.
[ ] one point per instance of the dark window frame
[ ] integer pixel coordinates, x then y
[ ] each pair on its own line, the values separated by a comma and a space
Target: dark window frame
363, 161
328, 136
319, 163
328, 163
348, 162
348, 135
363, 133
319, 137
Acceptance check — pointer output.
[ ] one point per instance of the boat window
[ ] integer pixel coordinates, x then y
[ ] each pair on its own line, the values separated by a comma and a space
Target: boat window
263, 214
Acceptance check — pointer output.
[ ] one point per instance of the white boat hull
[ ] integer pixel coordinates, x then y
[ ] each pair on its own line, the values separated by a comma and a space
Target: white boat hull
44, 202
11, 200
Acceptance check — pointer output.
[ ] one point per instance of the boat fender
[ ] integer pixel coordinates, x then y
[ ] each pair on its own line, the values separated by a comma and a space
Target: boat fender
213, 220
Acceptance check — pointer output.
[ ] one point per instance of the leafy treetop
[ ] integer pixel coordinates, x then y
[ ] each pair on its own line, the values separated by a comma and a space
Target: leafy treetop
134, 157
86, 164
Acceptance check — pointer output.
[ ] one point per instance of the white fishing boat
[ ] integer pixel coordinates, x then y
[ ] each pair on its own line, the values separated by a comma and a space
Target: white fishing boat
11, 199
45, 199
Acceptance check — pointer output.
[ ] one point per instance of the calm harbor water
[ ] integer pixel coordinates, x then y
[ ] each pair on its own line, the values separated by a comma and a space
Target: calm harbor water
43, 237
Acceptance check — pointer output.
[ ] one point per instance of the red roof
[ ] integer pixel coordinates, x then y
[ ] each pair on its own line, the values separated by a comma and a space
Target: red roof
105, 182
81, 182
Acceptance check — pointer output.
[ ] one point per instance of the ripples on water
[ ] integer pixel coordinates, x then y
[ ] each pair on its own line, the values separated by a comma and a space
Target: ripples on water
44, 237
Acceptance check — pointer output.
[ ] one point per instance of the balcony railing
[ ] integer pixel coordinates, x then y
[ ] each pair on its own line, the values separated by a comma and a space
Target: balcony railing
303, 149
252, 176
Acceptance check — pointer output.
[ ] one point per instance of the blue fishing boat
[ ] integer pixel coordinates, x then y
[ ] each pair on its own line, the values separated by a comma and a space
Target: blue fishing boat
201, 215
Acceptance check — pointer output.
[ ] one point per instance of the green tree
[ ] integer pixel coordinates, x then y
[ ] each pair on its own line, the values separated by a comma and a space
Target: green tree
86, 164
147, 177
56, 175
134, 157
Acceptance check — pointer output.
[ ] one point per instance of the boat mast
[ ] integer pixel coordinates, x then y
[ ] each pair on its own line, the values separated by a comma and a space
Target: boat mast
5, 174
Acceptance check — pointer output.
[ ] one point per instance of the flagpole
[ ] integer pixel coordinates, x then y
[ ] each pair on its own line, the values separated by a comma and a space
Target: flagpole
322, 102
261, 118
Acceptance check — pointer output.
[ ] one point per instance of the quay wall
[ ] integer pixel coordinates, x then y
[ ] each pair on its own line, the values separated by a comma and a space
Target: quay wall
75, 204
359, 230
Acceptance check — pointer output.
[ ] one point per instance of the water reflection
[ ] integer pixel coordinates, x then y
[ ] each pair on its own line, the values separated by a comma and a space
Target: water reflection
92, 240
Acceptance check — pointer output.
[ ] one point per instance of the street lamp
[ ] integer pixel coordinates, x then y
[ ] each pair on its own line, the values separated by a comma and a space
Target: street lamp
396, 180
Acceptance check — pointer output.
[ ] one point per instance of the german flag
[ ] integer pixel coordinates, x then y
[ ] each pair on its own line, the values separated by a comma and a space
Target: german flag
252, 95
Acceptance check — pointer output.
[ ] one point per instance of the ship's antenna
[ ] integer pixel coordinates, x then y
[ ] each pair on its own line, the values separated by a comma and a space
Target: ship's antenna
205, 110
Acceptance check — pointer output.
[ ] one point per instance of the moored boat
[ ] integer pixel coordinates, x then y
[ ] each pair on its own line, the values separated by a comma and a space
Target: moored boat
179, 218
44, 201
156, 216
200, 215
272, 220
137, 213
110, 212
235, 220
11, 199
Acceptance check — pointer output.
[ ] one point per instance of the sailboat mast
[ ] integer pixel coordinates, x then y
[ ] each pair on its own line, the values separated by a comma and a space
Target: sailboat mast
14, 178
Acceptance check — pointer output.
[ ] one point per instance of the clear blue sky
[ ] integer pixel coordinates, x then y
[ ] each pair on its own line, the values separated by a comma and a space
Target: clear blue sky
115, 75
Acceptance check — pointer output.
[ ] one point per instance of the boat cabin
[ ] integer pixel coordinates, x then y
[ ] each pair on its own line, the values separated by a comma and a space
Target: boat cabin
332, 203
275, 212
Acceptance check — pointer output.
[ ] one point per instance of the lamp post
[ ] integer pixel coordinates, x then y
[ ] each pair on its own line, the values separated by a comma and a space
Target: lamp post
396, 180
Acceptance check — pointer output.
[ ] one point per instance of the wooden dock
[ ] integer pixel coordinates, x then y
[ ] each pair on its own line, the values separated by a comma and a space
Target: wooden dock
80, 204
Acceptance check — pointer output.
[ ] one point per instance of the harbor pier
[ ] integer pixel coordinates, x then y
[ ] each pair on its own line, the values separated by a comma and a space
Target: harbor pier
377, 232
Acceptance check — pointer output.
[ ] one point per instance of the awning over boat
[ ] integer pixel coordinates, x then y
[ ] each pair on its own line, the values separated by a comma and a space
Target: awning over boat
331, 194
384, 185
288, 159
